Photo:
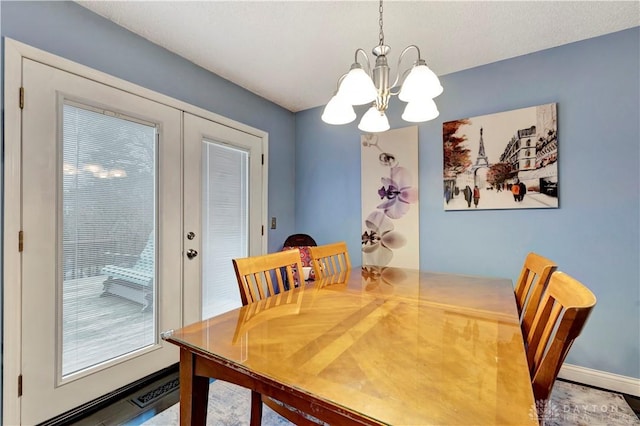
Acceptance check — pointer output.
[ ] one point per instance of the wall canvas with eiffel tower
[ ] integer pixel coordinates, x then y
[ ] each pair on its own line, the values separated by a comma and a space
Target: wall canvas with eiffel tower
506, 160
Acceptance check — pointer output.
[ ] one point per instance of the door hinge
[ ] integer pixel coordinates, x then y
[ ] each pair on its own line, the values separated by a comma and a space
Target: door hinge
21, 97
20, 241
20, 385
262, 230
262, 159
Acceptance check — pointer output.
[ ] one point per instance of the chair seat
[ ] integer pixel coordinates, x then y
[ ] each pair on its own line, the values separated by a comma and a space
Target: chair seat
137, 276
134, 283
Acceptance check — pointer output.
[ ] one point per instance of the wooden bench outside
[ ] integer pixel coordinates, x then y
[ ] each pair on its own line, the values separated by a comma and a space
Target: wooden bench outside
134, 283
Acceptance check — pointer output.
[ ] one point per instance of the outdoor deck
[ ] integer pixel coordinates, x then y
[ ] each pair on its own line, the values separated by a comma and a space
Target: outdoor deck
98, 328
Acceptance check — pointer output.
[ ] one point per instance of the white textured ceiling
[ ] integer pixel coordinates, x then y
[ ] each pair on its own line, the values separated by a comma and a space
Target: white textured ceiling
293, 52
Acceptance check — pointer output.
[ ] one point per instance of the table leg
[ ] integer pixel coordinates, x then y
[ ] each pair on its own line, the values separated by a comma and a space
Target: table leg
194, 392
256, 408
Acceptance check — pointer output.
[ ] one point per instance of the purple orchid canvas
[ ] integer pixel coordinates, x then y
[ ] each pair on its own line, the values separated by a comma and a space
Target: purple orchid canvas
390, 208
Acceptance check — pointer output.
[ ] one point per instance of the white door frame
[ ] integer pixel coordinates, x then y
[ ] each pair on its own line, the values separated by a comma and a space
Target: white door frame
196, 131
14, 51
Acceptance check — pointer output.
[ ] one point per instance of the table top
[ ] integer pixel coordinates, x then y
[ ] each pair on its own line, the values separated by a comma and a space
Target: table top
399, 346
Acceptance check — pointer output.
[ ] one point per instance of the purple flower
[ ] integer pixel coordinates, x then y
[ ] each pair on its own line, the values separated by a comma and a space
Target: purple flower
397, 193
379, 239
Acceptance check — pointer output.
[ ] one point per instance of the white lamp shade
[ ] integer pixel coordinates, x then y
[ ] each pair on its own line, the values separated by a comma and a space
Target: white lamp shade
374, 121
357, 88
338, 111
421, 83
419, 111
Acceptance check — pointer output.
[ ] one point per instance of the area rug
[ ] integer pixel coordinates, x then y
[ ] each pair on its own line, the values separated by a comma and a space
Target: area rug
229, 405
571, 405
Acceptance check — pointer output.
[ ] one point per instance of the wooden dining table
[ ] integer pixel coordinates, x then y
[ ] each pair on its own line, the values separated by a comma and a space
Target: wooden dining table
372, 346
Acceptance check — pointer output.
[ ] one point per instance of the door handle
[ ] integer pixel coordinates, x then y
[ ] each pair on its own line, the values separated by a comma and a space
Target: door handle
191, 253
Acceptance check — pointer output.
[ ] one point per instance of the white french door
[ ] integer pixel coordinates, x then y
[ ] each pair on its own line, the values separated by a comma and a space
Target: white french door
129, 211
223, 213
101, 222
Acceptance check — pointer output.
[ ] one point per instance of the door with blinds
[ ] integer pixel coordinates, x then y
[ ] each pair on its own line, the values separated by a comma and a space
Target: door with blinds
101, 223
223, 213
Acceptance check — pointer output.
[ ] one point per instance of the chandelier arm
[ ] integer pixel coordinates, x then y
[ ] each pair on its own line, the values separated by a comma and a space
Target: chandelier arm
411, 46
360, 50
404, 74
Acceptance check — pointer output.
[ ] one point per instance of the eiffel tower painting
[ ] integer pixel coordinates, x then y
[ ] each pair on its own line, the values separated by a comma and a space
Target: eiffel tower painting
523, 170
481, 154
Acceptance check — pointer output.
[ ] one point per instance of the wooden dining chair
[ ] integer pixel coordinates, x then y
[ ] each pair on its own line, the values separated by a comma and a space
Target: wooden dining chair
330, 259
533, 279
563, 311
258, 278
261, 276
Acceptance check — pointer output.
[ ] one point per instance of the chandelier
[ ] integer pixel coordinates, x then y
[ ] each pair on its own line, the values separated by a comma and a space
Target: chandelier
419, 86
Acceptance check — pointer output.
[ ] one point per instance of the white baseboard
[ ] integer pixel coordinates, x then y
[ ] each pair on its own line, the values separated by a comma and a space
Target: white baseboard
600, 379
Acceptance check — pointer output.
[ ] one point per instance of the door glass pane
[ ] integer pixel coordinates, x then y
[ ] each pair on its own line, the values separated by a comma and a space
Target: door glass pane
108, 229
225, 224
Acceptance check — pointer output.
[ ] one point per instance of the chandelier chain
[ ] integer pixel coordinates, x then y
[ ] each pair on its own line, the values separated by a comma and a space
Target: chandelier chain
380, 22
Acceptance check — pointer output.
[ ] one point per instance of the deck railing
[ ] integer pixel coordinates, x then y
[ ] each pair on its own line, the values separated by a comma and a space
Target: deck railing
86, 258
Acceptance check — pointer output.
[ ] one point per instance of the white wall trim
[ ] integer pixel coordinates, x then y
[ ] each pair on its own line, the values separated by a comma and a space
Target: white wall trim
12, 302
600, 379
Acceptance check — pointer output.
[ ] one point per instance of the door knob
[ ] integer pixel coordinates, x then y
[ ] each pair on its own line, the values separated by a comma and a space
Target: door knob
191, 253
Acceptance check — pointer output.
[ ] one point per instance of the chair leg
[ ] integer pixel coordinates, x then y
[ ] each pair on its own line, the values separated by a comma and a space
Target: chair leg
256, 408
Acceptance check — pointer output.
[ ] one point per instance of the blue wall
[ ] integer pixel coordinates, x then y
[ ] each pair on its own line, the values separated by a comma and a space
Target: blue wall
594, 235
73, 32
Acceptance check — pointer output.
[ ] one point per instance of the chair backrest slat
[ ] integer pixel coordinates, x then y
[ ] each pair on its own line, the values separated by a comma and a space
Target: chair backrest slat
561, 315
330, 259
256, 274
533, 279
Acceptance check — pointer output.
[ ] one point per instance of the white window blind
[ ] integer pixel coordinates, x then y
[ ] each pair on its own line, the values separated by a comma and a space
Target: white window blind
225, 224
108, 219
